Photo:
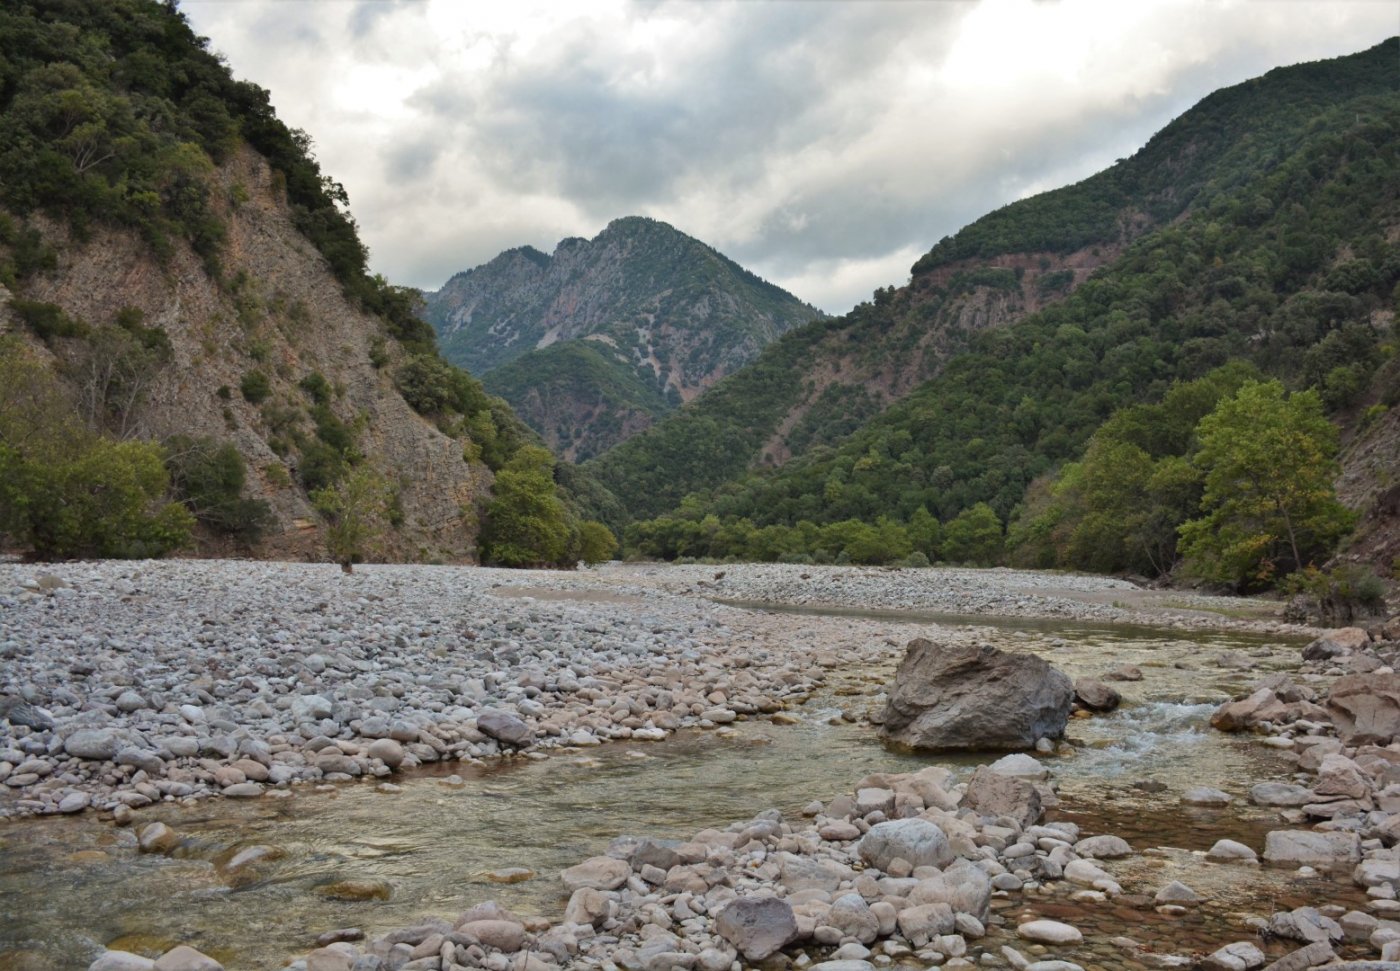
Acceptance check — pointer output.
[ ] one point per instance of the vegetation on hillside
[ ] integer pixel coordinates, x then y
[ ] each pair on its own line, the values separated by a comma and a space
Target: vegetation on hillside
117, 114
1282, 261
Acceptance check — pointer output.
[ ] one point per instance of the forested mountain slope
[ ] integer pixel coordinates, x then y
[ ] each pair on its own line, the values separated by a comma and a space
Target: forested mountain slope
184, 303
1028, 262
595, 342
1286, 258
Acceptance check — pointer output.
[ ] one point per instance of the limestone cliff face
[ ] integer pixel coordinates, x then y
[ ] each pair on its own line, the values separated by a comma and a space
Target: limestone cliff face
283, 314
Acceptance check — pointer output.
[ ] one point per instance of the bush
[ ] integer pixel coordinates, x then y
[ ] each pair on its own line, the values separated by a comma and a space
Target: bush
916, 560
255, 387
208, 477
47, 320
1340, 595
317, 388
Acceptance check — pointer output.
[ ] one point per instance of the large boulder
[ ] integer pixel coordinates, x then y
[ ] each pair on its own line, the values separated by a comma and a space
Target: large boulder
917, 841
970, 697
757, 926
1336, 643
505, 728
1366, 708
1303, 847
992, 794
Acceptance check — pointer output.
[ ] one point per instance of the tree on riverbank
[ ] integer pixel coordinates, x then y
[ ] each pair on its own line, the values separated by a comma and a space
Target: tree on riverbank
1269, 505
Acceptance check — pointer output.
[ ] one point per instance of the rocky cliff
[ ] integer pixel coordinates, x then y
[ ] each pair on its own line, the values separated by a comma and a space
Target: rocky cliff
287, 318
663, 316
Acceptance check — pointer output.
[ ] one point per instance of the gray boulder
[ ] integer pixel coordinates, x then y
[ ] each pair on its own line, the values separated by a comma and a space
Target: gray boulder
1095, 695
1366, 708
93, 744
17, 712
1304, 847
757, 926
992, 794
948, 697
917, 841
505, 728
1336, 643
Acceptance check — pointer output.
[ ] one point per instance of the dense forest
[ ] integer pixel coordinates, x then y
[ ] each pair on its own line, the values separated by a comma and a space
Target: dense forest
116, 115
1284, 260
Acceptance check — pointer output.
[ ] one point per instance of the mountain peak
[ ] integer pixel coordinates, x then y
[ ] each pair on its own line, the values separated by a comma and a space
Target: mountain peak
663, 314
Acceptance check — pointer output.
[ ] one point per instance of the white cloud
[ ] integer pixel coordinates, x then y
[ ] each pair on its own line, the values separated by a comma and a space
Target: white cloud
825, 145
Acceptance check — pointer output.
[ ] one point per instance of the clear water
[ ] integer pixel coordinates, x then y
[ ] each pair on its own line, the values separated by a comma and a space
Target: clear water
69, 886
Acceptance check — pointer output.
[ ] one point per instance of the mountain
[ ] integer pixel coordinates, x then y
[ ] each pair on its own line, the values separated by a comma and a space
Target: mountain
184, 298
593, 343
1262, 225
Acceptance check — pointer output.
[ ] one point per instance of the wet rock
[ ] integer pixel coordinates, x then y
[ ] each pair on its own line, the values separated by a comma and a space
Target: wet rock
1365, 708
1176, 892
1296, 847
1227, 851
1095, 695
1306, 924
157, 838
757, 926
1020, 766
1049, 932
917, 841
1126, 673
355, 890
1205, 796
597, 873
505, 728
959, 696
1280, 794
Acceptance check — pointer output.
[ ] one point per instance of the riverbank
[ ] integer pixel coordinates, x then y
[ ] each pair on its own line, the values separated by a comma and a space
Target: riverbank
182, 679
627, 653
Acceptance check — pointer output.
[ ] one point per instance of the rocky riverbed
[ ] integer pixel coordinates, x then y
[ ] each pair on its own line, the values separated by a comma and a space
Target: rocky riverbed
131, 685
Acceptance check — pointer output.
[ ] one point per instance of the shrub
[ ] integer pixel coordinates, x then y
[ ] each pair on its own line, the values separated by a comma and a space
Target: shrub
255, 387
317, 388
1340, 595
208, 477
47, 320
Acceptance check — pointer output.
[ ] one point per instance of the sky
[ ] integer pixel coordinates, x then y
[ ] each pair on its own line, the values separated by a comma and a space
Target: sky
823, 144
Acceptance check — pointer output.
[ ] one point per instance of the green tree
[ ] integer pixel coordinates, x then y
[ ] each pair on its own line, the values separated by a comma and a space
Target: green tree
1270, 508
596, 543
356, 509
208, 476
66, 491
974, 536
526, 522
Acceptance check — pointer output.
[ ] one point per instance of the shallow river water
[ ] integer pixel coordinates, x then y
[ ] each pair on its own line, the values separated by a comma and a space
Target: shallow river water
69, 886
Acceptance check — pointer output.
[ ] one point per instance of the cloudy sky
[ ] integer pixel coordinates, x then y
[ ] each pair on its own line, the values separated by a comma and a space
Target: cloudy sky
824, 144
